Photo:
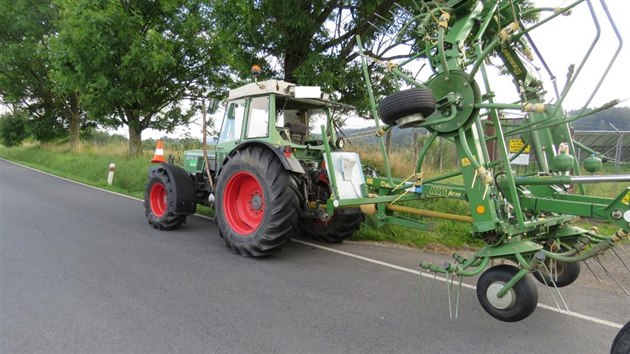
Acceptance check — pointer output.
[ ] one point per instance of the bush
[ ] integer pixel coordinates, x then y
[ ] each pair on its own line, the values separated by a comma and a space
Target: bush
48, 127
13, 128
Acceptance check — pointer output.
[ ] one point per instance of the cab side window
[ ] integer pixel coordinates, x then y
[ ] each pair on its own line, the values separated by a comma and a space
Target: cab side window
232, 121
258, 121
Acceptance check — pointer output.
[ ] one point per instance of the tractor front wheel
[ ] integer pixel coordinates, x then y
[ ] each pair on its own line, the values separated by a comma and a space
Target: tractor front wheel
158, 202
257, 203
340, 226
518, 303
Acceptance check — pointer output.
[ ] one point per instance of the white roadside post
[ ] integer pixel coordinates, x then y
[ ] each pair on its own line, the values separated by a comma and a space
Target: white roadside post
110, 175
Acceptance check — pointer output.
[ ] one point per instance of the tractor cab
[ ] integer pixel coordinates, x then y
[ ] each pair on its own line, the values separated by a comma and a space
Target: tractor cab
280, 115
277, 112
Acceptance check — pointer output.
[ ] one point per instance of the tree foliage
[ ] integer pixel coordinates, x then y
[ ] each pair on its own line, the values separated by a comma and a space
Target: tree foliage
13, 128
311, 42
25, 79
135, 61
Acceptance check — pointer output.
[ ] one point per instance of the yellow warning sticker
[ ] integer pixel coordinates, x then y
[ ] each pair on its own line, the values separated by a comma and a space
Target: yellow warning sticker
517, 144
626, 199
465, 161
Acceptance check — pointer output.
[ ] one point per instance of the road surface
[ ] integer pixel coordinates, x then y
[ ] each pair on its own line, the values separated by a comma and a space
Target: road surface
82, 271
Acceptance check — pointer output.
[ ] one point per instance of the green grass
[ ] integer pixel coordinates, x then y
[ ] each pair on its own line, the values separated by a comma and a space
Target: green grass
90, 166
444, 233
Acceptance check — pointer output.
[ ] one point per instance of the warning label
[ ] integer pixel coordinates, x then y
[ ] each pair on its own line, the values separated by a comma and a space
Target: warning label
517, 144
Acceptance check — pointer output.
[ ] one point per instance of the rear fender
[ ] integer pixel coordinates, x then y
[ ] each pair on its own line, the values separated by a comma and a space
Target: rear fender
290, 164
184, 189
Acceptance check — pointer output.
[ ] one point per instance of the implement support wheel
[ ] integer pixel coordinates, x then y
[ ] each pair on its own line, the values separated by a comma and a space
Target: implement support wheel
405, 103
562, 273
518, 303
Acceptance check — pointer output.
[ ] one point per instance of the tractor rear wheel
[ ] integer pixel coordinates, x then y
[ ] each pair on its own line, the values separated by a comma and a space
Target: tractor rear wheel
417, 100
257, 203
158, 202
340, 226
518, 303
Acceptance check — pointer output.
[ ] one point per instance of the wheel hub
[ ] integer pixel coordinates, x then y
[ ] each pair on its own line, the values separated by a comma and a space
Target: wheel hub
256, 202
501, 303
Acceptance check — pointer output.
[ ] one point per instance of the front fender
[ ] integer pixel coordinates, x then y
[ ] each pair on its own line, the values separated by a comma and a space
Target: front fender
184, 189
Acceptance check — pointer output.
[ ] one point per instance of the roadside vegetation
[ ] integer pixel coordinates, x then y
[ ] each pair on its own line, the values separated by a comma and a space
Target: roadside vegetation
90, 166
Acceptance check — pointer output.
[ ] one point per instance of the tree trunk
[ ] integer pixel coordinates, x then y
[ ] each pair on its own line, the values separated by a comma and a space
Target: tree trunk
294, 57
75, 123
135, 141
291, 62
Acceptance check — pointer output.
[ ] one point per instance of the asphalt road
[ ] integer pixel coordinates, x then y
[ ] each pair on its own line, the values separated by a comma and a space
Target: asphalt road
82, 271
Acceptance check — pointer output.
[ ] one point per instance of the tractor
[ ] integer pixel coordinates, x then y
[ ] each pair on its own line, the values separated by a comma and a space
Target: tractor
275, 178
270, 172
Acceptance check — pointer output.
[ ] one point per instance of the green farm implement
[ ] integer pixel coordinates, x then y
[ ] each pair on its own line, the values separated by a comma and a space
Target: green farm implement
270, 178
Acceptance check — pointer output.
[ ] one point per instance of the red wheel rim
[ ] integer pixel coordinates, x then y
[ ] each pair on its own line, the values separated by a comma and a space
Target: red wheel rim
157, 197
244, 203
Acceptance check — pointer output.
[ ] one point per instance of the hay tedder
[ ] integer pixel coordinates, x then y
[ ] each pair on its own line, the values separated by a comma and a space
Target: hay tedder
269, 179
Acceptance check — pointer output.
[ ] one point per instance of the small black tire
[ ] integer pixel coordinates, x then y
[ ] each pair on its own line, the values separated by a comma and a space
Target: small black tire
621, 344
405, 103
159, 202
257, 202
518, 303
340, 226
567, 273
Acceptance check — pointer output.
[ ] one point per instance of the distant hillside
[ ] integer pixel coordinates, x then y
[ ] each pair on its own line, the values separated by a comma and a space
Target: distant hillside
618, 117
400, 137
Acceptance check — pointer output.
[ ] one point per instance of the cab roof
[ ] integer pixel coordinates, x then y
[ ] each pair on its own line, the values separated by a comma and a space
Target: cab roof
288, 90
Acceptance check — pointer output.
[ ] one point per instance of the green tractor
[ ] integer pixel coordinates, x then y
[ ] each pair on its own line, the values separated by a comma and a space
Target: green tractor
271, 178
275, 179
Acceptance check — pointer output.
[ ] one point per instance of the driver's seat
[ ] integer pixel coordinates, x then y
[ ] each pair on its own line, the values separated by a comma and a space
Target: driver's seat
297, 132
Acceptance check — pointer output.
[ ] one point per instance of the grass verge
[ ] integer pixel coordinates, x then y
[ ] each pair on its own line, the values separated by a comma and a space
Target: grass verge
91, 164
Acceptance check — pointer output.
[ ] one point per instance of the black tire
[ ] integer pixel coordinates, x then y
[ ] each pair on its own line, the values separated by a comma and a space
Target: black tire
567, 273
159, 202
257, 202
337, 228
405, 103
517, 304
621, 344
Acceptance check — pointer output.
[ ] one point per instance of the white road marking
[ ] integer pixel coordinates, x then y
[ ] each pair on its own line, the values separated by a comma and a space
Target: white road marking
469, 286
69, 180
356, 256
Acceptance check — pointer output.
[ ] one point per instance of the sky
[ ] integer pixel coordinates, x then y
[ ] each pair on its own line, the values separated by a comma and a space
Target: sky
562, 42
566, 39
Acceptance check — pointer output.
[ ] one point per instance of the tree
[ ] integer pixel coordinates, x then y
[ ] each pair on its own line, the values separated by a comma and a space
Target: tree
135, 61
312, 42
25, 78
